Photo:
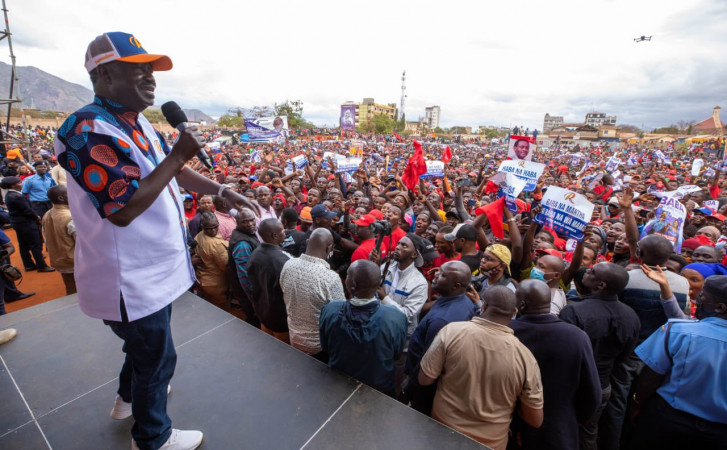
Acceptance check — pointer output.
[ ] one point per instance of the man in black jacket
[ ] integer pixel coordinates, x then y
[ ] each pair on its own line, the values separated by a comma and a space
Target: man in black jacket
26, 225
567, 367
263, 270
612, 327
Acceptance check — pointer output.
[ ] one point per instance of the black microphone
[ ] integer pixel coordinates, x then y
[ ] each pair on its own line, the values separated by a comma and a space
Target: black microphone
178, 119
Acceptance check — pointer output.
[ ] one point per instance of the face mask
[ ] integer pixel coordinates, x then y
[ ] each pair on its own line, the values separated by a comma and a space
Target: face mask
537, 274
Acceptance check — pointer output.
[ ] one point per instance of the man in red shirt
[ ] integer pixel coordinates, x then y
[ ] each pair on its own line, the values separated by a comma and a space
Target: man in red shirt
368, 239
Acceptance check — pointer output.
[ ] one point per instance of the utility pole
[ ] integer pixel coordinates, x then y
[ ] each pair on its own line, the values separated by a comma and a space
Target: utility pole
5, 136
403, 93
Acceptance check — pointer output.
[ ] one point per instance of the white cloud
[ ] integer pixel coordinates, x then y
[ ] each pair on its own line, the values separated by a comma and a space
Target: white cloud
505, 63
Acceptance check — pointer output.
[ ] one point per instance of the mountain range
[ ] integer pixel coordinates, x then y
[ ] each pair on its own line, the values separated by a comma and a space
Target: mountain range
47, 92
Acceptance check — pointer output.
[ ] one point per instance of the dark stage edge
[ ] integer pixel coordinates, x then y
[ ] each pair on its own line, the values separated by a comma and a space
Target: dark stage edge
241, 387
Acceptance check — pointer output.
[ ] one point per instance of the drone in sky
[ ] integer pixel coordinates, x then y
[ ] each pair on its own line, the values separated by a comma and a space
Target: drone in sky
642, 38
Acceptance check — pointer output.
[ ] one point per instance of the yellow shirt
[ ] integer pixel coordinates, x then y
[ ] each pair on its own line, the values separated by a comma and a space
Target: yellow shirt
213, 252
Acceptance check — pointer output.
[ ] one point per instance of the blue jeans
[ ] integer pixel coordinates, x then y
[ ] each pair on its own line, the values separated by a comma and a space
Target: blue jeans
148, 367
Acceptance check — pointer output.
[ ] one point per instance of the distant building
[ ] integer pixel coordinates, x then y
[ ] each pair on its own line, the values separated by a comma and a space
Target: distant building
367, 109
431, 116
709, 125
550, 122
597, 119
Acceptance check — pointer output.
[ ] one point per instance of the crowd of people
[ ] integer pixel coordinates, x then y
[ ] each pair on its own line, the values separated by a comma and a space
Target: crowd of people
431, 292
509, 338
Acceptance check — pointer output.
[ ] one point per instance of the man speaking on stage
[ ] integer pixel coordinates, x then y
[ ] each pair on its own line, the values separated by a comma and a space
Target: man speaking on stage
131, 256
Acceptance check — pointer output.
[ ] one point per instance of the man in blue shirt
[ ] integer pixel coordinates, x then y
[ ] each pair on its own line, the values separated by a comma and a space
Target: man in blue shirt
451, 282
362, 336
36, 188
686, 367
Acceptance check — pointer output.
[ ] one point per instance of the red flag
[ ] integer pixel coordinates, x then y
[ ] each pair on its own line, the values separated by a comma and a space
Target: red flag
494, 216
415, 168
447, 156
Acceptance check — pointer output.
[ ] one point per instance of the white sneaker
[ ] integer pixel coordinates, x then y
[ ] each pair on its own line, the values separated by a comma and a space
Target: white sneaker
179, 440
122, 410
8, 335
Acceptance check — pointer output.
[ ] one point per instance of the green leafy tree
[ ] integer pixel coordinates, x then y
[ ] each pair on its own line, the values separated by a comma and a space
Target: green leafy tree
154, 115
439, 130
294, 111
667, 130
458, 130
228, 120
383, 123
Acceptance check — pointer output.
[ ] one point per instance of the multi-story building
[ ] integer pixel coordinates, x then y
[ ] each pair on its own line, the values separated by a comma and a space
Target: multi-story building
597, 119
550, 122
367, 109
431, 116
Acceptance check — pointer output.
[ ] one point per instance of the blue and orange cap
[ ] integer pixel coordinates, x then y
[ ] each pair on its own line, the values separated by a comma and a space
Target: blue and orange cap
118, 46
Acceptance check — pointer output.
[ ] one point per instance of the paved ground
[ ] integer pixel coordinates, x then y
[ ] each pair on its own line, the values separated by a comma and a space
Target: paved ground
47, 286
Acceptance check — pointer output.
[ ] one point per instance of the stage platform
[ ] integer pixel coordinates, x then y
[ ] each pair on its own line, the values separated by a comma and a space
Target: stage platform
241, 387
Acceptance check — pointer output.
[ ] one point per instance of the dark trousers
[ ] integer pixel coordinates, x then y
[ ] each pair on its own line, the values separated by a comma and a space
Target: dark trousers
40, 208
588, 431
662, 427
3, 282
30, 243
420, 397
145, 375
613, 421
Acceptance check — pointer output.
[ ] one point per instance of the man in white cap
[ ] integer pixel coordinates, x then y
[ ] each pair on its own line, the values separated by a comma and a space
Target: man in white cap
131, 257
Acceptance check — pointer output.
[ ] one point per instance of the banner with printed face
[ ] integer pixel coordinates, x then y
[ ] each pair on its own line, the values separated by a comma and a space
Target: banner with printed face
697, 165
658, 154
586, 165
348, 164
435, 169
513, 188
348, 117
612, 164
326, 155
565, 212
521, 148
668, 222
528, 171
267, 128
299, 162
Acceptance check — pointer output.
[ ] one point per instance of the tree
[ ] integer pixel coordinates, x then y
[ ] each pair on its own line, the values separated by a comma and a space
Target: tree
154, 116
228, 120
685, 126
491, 133
402, 123
294, 111
383, 124
629, 129
258, 111
672, 129
438, 130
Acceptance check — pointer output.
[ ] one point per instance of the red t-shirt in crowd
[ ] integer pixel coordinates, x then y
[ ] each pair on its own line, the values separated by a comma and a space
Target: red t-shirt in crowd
363, 250
604, 193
